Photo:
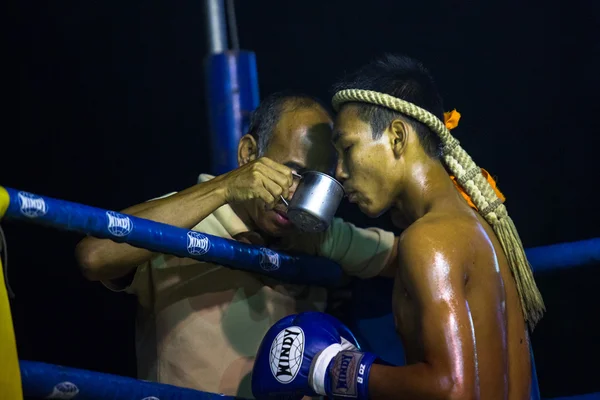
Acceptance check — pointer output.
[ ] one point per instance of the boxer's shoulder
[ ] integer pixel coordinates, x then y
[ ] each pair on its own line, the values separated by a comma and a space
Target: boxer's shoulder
442, 228
459, 226
434, 238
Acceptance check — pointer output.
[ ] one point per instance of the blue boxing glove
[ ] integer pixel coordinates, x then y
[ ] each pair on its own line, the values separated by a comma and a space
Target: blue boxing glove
310, 354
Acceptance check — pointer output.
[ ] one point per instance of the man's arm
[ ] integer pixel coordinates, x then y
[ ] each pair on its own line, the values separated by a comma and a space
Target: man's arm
431, 265
261, 179
103, 259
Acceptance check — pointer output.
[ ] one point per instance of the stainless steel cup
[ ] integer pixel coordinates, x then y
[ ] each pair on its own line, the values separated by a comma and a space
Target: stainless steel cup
315, 202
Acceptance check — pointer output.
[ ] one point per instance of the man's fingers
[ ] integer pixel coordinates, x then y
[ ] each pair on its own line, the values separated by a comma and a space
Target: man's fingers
280, 168
270, 174
267, 197
275, 189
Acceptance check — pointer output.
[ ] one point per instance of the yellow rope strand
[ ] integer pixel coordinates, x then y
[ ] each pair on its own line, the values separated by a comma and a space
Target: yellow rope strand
477, 187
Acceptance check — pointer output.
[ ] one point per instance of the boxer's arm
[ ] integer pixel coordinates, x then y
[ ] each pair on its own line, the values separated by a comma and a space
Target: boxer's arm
391, 266
432, 268
103, 259
364, 253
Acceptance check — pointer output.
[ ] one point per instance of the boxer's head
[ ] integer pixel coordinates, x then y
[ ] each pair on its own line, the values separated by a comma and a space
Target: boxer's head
377, 146
385, 155
293, 130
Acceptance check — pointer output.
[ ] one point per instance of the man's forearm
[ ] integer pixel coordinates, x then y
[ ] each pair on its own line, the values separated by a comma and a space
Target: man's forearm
417, 381
104, 259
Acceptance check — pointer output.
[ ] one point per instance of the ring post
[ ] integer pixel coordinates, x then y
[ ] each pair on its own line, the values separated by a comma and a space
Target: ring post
231, 89
10, 375
232, 85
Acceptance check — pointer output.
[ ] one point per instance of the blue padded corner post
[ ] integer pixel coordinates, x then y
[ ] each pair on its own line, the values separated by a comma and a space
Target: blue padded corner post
232, 94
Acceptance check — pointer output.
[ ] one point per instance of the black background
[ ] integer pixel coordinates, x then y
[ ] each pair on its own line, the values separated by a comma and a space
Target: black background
104, 105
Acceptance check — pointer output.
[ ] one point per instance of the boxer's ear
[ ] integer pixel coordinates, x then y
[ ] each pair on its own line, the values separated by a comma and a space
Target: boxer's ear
247, 150
398, 136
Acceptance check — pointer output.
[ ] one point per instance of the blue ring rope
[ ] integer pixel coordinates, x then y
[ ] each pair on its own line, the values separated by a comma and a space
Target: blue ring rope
41, 380
163, 238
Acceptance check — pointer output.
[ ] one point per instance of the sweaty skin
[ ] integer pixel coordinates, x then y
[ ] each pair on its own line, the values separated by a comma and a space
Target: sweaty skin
455, 302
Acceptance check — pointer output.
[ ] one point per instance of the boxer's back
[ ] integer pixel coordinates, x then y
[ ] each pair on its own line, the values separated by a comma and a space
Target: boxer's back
486, 286
502, 344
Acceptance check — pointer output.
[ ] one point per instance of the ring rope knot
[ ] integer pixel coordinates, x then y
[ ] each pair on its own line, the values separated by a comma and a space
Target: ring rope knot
488, 201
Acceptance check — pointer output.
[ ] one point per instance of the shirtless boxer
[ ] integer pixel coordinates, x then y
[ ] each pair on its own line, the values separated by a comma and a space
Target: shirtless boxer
464, 291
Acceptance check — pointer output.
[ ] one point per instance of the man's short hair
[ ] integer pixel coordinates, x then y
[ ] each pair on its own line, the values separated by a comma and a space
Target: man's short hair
406, 79
264, 119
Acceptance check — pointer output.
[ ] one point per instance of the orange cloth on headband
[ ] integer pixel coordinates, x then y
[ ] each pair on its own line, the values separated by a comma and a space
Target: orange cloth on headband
451, 119
464, 194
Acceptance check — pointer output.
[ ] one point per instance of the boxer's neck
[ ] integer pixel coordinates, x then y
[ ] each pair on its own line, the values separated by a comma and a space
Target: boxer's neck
425, 185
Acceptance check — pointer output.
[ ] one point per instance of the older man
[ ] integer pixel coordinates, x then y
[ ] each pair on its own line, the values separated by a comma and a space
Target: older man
200, 324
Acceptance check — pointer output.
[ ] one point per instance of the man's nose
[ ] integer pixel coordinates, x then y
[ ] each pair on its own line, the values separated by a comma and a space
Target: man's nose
340, 172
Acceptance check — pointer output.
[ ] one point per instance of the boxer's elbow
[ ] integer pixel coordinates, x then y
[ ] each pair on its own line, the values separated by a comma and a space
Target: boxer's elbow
459, 392
460, 389
451, 387
423, 381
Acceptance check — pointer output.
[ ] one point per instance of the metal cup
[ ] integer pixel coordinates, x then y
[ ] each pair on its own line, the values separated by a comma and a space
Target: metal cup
315, 202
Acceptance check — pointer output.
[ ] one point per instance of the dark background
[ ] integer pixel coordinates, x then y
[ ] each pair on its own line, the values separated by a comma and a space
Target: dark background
104, 105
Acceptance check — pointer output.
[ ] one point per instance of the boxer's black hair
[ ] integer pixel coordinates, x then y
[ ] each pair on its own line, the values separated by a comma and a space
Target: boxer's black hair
404, 78
264, 119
